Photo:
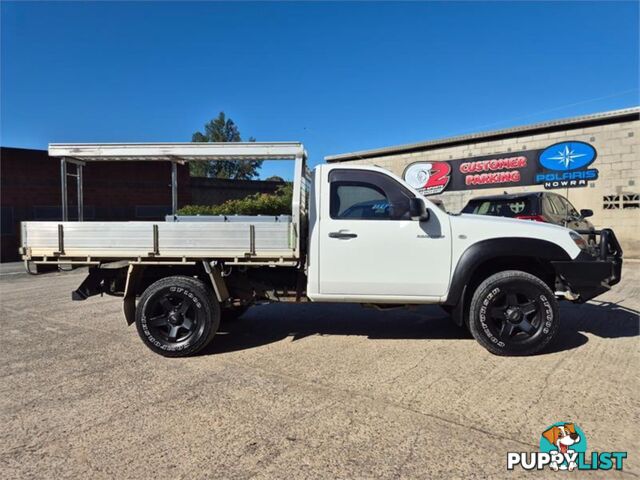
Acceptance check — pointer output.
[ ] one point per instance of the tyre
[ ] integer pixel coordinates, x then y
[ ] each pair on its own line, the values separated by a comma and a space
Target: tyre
177, 316
513, 313
230, 314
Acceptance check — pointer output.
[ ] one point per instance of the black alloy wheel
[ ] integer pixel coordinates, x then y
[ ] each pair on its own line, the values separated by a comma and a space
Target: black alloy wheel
177, 316
513, 313
173, 317
515, 316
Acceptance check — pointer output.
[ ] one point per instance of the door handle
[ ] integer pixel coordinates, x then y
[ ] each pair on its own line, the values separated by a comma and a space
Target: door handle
342, 234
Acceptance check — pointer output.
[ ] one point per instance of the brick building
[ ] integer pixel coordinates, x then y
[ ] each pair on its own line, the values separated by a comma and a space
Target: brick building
30, 190
510, 160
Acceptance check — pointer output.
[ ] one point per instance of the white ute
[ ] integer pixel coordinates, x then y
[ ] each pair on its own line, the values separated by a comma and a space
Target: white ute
355, 234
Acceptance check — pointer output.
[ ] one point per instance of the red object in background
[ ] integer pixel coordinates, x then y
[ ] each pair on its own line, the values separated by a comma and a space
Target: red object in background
535, 218
439, 175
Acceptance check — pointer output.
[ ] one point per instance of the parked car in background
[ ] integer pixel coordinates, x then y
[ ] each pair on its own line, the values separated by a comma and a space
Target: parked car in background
545, 207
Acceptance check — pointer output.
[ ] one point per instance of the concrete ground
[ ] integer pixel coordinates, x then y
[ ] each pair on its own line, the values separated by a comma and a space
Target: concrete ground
302, 391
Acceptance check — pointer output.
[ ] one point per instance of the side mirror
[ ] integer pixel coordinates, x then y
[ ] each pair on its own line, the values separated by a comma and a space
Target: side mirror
417, 209
586, 212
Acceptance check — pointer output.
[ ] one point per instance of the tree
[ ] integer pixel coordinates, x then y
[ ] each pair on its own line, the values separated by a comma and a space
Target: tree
223, 129
274, 178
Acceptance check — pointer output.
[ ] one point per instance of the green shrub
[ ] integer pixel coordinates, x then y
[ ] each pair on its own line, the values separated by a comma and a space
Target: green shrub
278, 203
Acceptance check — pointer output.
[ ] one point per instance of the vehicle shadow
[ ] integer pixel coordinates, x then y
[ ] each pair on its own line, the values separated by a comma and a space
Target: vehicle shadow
602, 319
266, 324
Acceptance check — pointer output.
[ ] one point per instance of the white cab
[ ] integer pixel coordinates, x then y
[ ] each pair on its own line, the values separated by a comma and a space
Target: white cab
366, 246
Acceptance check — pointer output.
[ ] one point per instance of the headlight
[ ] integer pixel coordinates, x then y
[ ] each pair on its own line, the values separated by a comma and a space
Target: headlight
578, 240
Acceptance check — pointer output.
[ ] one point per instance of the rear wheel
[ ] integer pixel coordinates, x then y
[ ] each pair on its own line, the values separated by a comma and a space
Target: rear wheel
513, 313
177, 316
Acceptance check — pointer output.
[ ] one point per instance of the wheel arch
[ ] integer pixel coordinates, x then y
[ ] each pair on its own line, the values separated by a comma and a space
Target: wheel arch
141, 276
487, 257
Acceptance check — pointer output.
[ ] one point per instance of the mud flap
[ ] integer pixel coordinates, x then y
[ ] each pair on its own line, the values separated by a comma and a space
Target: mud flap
217, 282
134, 274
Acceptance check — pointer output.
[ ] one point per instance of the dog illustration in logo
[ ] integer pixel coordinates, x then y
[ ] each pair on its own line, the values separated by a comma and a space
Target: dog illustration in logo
563, 437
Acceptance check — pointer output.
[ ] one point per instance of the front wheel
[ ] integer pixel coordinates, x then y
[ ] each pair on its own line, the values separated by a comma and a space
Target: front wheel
177, 316
513, 313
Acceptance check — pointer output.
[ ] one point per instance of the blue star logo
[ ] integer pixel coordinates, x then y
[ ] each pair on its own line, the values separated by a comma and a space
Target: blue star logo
566, 156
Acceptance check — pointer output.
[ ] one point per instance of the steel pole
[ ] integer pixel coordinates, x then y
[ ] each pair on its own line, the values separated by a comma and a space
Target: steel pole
80, 193
174, 188
63, 185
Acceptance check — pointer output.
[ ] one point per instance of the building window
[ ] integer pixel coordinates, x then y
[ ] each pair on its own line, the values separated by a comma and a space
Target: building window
611, 202
616, 202
631, 200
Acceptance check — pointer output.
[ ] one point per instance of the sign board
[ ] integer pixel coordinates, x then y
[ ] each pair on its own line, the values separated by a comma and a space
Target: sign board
562, 165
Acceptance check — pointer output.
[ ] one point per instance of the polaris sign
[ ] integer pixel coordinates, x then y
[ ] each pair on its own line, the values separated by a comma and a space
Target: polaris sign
562, 165
565, 165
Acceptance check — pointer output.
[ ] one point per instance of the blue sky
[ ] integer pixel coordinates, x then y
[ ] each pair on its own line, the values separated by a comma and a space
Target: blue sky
337, 76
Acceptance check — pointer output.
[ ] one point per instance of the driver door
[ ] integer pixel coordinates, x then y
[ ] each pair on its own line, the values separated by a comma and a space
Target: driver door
369, 246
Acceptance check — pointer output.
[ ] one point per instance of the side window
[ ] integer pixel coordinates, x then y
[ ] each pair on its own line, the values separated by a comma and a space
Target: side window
352, 200
548, 206
570, 209
559, 208
367, 195
565, 209
483, 208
